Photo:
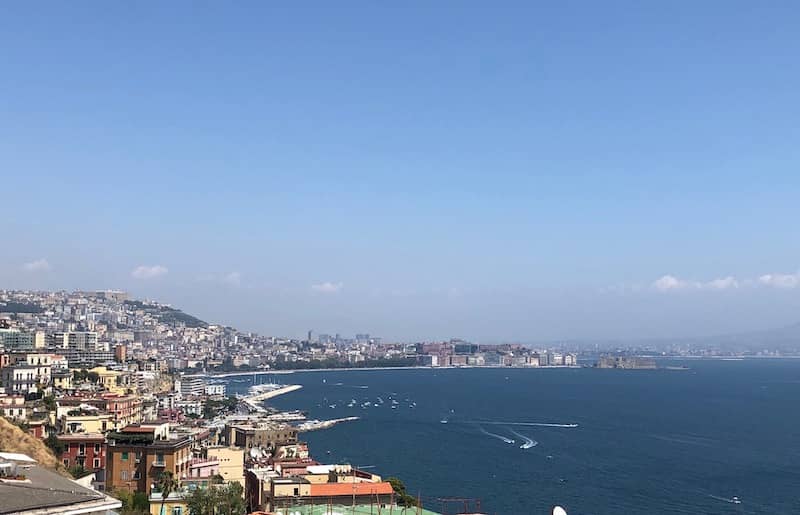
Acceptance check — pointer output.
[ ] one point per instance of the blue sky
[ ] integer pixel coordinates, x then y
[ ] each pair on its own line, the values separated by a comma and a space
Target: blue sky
512, 171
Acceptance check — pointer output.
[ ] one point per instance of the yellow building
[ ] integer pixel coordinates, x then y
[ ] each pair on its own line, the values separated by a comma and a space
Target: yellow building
62, 379
231, 463
82, 422
287, 488
174, 504
108, 379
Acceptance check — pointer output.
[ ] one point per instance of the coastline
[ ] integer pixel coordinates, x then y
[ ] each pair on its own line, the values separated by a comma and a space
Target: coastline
253, 400
342, 369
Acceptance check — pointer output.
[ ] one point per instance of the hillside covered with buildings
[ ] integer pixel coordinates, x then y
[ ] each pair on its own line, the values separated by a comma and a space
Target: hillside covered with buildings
123, 394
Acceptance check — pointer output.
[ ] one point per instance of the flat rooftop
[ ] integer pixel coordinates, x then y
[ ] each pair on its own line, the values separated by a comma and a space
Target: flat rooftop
359, 509
48, 492
339, 489
81, 436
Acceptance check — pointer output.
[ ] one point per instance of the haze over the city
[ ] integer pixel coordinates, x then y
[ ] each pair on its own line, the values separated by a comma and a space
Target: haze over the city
457, 169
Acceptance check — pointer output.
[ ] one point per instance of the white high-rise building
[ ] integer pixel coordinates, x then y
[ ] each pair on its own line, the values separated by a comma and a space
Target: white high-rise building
77, 340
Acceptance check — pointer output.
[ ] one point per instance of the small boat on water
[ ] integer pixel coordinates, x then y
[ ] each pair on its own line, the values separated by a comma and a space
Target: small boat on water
732, 500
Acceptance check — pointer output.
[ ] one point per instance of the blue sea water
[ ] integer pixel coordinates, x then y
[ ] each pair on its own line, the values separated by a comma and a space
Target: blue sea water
646, 442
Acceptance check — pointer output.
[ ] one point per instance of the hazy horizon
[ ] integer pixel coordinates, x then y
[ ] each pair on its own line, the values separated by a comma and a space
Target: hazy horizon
530, 173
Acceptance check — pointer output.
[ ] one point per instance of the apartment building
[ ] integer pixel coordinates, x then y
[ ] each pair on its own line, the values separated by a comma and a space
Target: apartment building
139, 453
87, 450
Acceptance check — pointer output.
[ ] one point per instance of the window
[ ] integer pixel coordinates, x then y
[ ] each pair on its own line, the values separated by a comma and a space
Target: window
82, 448
66, 462
124, 456
123, 475
96, 463
97, 447
177, 510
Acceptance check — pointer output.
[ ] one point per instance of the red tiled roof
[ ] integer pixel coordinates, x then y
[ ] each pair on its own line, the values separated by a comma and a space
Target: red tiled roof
136, 429
337, 489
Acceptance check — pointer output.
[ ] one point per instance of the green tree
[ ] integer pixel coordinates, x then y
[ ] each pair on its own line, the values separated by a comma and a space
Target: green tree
166, 484
49, 403
80, 375
403, 498
77, 471
141, 503
213, 407
199, 502
55, 445
124, 497
22, 424
217, 500
132, 503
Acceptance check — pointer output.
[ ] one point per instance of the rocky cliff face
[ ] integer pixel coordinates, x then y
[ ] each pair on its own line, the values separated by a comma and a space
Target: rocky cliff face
14, 439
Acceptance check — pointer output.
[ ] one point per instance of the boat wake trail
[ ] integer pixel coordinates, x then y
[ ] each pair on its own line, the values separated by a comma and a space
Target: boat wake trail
732, 500
537, 424
499, 437
527, 442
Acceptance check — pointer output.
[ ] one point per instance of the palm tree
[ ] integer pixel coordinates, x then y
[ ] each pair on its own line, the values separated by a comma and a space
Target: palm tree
167, 484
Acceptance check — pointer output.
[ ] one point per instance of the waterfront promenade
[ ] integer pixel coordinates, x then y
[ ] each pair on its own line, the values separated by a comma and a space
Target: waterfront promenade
254, 400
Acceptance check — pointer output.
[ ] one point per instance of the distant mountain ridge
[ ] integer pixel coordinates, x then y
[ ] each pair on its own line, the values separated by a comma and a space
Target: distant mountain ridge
780, 338
782, 335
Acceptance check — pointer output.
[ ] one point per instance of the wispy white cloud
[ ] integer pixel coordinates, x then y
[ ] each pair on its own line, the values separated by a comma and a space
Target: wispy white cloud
233, 278
38, 265
149, 271
327, 287
783, 281
726, 283
670, 283
667, 283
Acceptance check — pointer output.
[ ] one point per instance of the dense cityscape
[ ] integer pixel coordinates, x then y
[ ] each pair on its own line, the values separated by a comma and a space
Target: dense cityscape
462, 258
130, 397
